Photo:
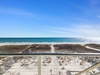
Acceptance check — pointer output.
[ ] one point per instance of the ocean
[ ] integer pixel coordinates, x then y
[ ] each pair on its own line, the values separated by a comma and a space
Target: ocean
48, 40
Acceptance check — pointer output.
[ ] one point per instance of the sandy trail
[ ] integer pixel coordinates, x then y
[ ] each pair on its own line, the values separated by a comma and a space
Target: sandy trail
92, 48
25, 48
52, 48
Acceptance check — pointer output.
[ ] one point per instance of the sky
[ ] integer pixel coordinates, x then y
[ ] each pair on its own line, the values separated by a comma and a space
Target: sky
50, 18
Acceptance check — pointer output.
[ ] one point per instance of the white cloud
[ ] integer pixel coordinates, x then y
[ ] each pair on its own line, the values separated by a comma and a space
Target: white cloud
13, 11
94, 2
20, 12
98, 16
78, 30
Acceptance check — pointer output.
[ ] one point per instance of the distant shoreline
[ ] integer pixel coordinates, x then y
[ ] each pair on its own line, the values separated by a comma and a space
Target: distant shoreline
24, 43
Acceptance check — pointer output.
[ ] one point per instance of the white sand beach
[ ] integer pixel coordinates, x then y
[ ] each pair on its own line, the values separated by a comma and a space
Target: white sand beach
50, 65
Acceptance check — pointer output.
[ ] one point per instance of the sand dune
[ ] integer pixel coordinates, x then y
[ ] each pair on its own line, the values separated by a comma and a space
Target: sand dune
50, 65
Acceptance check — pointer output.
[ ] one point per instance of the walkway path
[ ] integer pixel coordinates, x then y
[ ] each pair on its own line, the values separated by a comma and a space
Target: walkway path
52, 48
26, 48
92, 48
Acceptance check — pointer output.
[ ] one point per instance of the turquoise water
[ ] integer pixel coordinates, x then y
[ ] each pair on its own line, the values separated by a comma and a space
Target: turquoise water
49, 40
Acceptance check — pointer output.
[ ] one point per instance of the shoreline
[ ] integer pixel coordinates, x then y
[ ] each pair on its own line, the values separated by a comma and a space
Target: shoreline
27, 43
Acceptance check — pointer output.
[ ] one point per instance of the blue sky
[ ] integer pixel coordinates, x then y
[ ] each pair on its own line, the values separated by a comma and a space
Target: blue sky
49, 18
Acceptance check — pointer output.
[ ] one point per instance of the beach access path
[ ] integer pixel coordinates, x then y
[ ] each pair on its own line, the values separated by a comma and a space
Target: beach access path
92, 48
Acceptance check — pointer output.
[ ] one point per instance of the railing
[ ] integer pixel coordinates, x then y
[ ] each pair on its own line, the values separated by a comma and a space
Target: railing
40, 68
88, 70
